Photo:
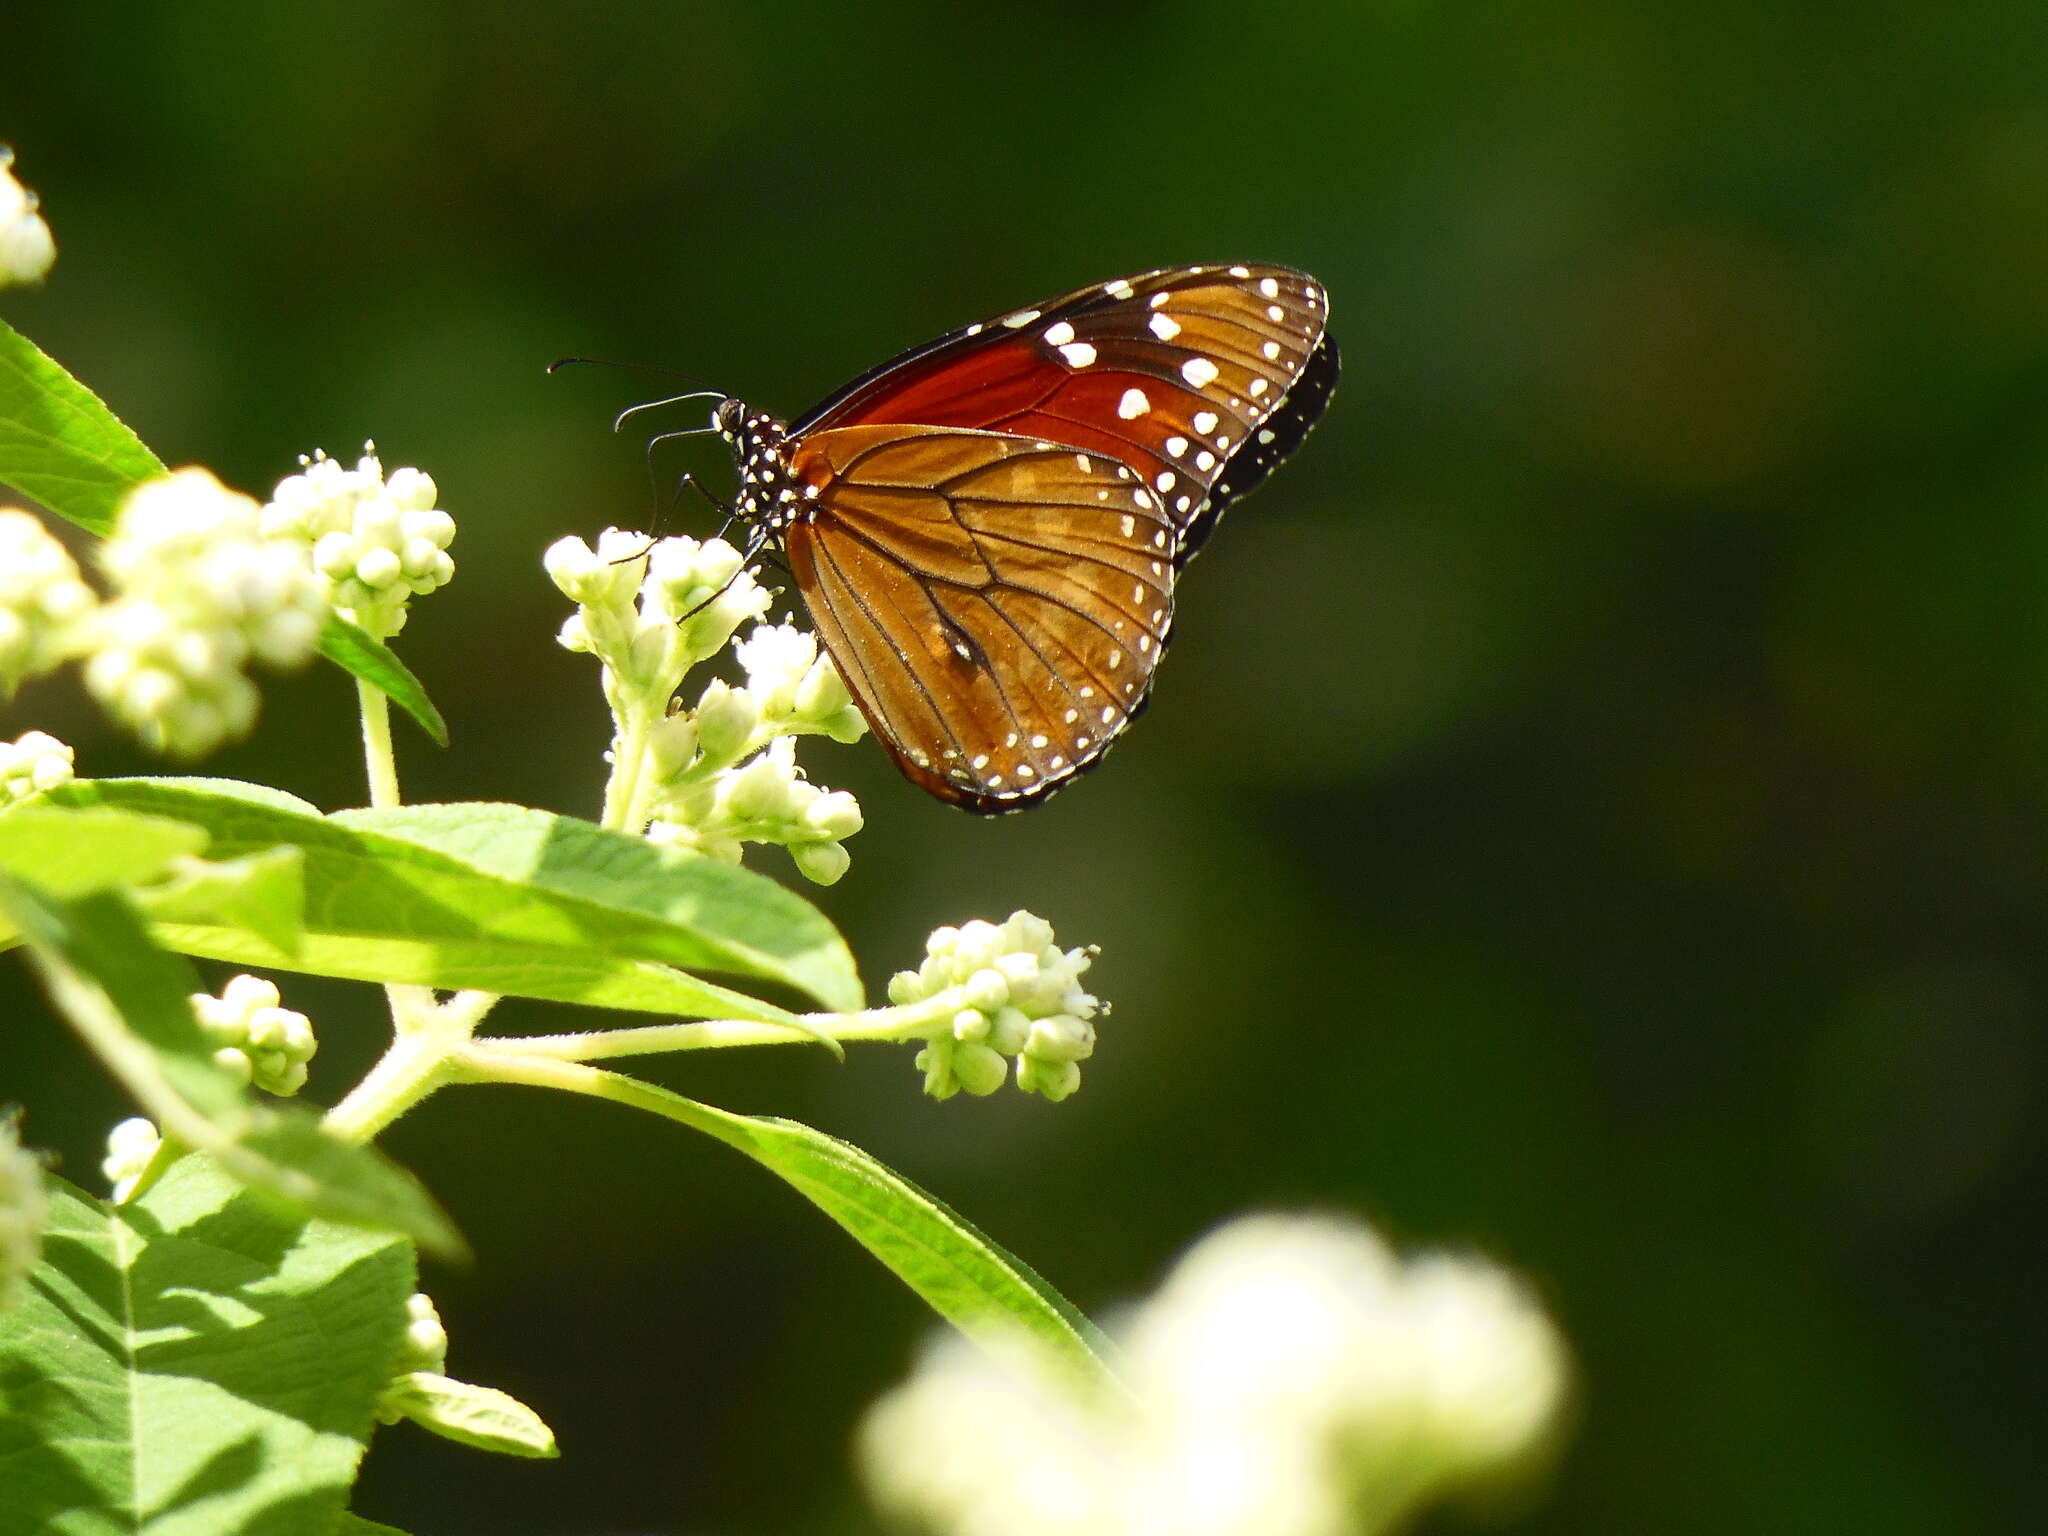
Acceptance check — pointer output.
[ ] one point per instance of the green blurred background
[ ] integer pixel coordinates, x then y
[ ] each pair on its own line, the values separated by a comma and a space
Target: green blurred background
1597, 805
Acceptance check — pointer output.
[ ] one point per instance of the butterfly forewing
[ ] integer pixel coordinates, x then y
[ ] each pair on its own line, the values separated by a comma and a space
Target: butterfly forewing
1197, 379
996, 603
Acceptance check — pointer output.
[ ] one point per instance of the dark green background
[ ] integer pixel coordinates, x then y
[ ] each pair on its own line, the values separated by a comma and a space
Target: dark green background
1596, 808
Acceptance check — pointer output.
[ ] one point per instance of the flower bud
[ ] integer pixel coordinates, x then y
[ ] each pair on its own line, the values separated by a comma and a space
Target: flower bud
833, 815
727, 718
31, 763
821, 863
672, 745
27, 248
761, 790
130, 1146
986, 989
415, 491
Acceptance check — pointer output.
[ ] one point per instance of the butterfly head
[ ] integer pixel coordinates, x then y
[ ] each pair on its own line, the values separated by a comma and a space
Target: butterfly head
769, 495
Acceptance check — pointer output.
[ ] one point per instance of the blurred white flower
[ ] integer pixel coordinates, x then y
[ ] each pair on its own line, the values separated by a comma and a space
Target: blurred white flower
31, 763
1019, 995
256, 1039
198, 590
1293, 1377
26, 246
130, 1146
379, 541
23, 1211
45, 608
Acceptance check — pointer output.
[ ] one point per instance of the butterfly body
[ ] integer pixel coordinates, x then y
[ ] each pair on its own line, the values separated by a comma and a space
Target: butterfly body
987, 530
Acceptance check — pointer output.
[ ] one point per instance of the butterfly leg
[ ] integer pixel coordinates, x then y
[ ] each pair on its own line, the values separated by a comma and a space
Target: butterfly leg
759, 546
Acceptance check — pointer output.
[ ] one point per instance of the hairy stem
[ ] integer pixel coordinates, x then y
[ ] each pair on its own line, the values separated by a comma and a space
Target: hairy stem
378, 763
872, 1024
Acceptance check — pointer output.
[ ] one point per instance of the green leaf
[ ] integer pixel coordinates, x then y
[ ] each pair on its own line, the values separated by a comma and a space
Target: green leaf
130, 1002
264, 893
482, 1418
359, 653
966, 1278
748, 925
232, 789
59, 444
381, 908
73, 852
194, 1363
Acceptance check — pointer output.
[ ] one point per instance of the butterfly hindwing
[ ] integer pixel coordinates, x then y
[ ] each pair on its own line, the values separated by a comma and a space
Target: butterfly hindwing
996, 604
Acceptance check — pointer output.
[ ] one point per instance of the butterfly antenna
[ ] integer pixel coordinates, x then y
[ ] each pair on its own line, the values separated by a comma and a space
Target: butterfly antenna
648, 405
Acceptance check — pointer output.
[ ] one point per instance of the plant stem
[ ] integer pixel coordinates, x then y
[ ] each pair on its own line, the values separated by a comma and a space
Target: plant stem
414, 1066
378, 763
622, 790
872, 1024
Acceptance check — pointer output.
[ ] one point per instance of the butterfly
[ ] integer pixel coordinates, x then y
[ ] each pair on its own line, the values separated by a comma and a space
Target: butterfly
987, 530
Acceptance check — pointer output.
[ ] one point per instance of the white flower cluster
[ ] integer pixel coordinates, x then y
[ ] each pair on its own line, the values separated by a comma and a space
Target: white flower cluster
255, 1038
723, 773
23, 1211
130, 1146
45, 608
198, 590
1294, 1377
691, 598
378, 540
31, 763
26, 247
1018, 994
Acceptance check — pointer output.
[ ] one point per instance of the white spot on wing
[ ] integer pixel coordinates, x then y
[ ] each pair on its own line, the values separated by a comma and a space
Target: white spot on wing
1200, 372
1059, 335
1271, 349
1205, 421
1176, 445
1118, 289
1023, 317
1078, 354
1164, 326
1269, 288
1133, 405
